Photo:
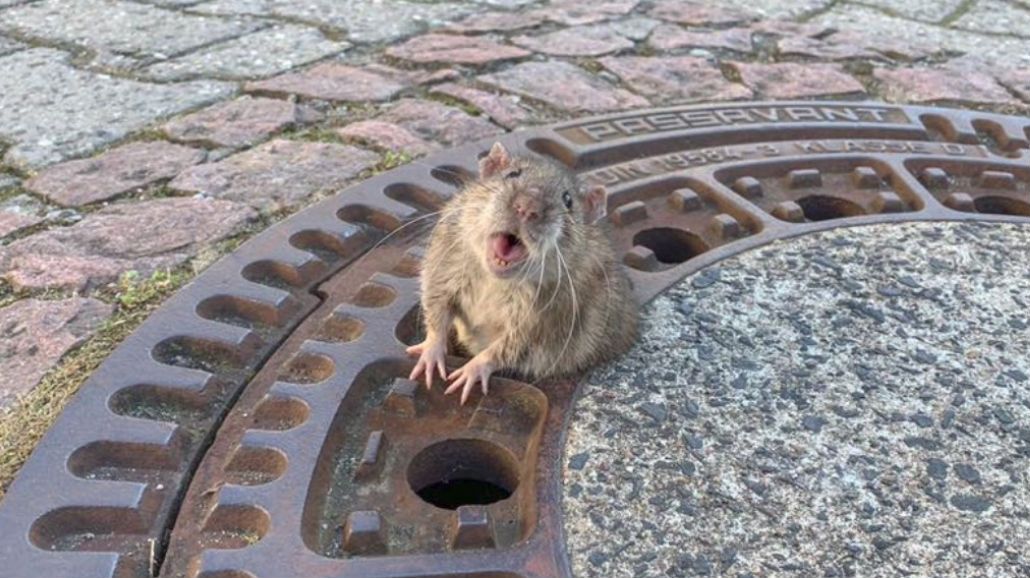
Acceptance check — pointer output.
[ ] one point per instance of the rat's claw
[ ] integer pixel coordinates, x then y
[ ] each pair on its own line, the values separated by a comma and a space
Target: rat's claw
431, 359
466, 376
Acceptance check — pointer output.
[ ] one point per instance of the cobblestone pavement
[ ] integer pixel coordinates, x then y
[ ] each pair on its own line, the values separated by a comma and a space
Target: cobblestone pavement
151, 134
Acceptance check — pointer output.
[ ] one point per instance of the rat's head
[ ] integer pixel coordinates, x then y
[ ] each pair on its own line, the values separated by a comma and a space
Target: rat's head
531, 206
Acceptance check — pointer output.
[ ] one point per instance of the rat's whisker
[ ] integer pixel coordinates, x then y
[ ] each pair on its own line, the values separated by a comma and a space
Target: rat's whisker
575, 312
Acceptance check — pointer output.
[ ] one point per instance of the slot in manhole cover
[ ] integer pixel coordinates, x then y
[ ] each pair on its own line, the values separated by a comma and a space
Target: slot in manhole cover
259, 424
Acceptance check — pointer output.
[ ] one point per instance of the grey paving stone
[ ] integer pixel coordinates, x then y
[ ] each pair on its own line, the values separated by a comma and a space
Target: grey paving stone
259, 54
364, 21
873, 23
775, 8
51, 111
120, 27
926, 10
828, 458
996, 17
8, 45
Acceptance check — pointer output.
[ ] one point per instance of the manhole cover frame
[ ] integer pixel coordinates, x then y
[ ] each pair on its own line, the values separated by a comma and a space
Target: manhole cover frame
208, 359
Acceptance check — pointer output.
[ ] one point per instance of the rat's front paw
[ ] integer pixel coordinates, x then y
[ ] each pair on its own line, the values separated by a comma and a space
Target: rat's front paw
431, 359
478, 369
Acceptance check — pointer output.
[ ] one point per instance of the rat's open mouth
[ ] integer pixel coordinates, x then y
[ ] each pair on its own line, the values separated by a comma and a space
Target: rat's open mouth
506, 250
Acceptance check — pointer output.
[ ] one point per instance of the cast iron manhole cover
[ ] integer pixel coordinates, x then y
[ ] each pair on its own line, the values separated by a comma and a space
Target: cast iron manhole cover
259, 424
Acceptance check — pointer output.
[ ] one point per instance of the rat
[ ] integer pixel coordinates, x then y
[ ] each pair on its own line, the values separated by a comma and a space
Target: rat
521, 267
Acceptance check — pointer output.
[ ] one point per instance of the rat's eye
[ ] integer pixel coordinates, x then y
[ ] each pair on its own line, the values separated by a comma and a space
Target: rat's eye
566, 198
513, 174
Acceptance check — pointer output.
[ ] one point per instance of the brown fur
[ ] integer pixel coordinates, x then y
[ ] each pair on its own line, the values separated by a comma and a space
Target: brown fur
559, 315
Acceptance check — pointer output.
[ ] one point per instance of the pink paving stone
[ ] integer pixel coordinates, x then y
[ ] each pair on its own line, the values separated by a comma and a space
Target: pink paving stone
836, 47
11, 222
1018, 81
35, 334
563, 86
675, 78
578, 12
454, 49
116, 172
501, 109
497, 22
240, 122
331, 81
413, 77
793, 80
144, 237
921, 85
576, 41
278, 174
433, 121
385, 135
672, 37
696, 13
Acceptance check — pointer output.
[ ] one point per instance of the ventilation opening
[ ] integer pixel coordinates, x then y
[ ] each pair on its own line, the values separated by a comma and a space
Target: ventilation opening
1002, 206
670, 245
823, 208
455, 473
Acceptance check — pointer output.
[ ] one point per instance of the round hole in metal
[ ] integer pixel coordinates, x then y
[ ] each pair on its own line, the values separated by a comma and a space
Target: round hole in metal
824, 208
463, 472
671, 245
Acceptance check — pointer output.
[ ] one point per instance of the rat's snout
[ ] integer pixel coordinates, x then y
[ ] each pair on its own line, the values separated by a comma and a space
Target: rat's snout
527, 207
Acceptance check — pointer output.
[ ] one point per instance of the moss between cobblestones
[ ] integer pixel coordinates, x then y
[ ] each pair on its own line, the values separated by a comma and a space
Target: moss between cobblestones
23, 424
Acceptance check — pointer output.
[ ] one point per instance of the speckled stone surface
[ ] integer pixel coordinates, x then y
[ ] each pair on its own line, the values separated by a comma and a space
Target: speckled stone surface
853, 403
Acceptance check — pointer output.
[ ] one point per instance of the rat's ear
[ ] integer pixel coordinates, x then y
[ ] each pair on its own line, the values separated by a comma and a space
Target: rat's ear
495, 162
596, 203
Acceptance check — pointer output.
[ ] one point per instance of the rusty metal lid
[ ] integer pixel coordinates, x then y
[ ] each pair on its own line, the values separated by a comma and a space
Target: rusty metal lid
259, 423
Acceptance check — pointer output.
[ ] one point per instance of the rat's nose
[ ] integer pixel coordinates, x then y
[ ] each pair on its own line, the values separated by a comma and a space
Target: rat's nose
527, 209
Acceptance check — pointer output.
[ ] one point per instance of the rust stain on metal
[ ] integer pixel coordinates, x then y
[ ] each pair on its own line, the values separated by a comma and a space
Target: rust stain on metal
260, 423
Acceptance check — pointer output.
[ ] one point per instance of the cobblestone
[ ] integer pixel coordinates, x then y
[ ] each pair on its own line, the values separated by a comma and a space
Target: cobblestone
386, 136
35, 334
143, 237
577, 13
576, 41
997, 17
380, 21
1018, 81
675, 78
241, 122
18, 213
437, 122
50, 111
496, 22
563, 86
116, 172
792, 80
121, 27
875, 24
504, 110
932, 85
454, 49
926, 10
276, 175
8, 46
698, 13
671, 37
258, 54
332, 81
